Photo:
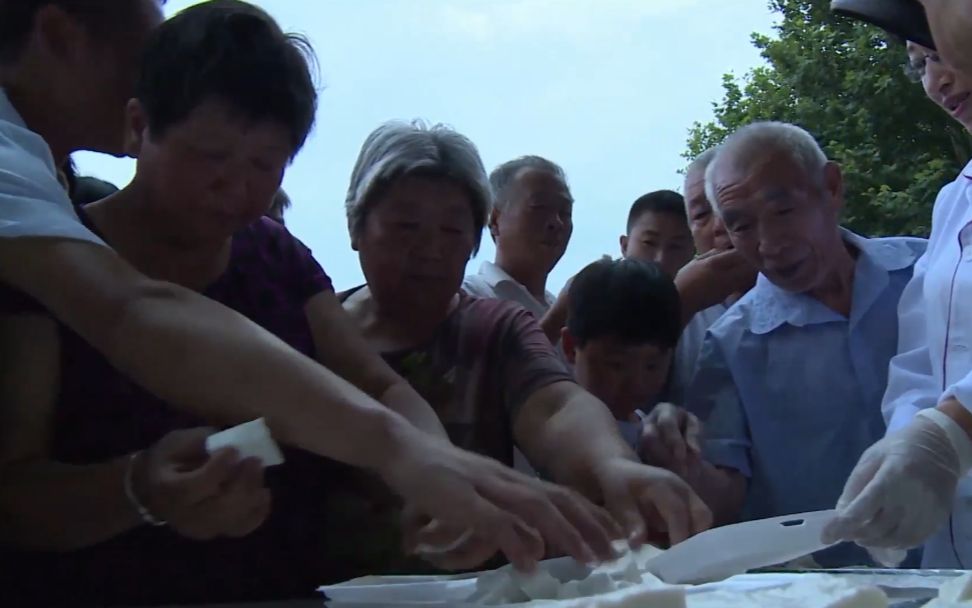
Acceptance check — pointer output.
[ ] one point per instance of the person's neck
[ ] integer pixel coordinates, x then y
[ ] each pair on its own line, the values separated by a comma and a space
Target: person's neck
535, 281
837, 290
33, 100
395, 327
131, 228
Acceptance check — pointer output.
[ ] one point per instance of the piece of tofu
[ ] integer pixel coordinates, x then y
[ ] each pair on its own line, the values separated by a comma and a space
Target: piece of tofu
959, 589
671, 596
251, 440
814, 592
541, 585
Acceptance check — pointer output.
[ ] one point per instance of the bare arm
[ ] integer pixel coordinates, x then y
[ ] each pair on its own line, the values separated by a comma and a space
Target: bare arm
569, 433
197, 354
341, 348
671, 439
565, 431
555, 318
722, 489
47, 505
710, 279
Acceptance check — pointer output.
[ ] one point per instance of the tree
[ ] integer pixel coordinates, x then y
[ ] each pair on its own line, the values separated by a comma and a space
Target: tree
843, 81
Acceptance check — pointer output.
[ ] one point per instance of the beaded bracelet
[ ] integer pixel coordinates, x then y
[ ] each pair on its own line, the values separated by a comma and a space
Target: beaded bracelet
143, 511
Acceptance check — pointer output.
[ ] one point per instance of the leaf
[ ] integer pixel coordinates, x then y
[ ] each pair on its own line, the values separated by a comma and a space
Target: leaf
843, 81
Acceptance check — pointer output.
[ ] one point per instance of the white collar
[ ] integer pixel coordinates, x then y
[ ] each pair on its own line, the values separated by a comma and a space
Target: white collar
494, 276
774, 306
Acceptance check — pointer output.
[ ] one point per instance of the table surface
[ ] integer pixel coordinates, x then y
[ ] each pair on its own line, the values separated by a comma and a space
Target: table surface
317, 603
905, 579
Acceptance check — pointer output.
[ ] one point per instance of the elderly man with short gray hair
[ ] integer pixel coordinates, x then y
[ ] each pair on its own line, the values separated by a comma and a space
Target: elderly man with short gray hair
790, 379
531, 223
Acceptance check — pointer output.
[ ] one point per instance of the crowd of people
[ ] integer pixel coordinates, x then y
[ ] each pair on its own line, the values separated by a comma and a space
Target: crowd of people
745, 356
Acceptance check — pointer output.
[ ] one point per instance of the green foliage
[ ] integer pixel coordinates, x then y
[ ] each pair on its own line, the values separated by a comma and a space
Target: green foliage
843, 81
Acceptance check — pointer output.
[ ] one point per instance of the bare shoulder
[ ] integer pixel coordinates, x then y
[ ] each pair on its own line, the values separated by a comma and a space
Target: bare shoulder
356, 301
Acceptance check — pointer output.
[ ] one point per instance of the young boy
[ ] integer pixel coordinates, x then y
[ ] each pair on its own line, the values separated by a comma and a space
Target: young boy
623, 321
658, 231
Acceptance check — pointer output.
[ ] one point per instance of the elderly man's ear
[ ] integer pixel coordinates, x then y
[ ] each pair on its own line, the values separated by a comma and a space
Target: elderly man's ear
834, 184
493, 223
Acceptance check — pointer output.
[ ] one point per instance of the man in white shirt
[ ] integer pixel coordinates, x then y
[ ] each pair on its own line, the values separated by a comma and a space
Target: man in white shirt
531, 225
67, 68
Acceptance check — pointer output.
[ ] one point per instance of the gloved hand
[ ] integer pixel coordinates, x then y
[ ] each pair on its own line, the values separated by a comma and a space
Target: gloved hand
903, 486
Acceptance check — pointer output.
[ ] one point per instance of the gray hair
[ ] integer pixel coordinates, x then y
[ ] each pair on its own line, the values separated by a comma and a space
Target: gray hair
757, 139
502, 177
398, 149
702, 161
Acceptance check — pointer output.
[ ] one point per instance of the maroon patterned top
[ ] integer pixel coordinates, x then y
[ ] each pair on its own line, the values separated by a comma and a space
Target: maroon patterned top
102, 415
482, 364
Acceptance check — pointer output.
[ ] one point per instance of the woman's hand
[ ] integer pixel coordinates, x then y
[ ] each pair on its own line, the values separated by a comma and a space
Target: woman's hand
201, 495
449, 547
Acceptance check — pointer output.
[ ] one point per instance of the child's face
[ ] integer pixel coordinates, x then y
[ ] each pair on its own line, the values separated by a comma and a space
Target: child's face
662, 238
625, 377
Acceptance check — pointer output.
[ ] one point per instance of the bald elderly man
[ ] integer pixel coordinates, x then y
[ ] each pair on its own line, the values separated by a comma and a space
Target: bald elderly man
789, 381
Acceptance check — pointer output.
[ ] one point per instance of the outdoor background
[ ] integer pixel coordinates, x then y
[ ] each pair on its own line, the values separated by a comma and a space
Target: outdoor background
616, 91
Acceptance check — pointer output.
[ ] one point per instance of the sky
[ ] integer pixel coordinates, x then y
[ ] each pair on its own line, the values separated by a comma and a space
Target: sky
608, 89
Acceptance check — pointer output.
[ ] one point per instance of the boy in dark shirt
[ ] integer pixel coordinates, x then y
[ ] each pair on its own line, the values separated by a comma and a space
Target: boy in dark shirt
623, 322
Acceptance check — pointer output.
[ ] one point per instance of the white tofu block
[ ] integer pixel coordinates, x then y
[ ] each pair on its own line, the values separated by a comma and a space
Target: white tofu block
862, 597
507, 587
630, 574
541, 585
638, 597
812, 592
595, 584
958, 589
496, 588
569, 590
251, 439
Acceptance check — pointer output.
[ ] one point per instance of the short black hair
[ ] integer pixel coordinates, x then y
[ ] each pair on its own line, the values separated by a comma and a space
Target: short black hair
659, 201
234, 52
628, 299
83, 190
99, 16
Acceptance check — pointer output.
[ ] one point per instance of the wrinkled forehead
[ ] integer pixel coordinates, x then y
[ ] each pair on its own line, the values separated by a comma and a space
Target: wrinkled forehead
421, 195
759, 176
694, 186
533, 180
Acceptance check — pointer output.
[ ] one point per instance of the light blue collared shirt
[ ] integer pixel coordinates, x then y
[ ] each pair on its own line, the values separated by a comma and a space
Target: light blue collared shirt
790, 390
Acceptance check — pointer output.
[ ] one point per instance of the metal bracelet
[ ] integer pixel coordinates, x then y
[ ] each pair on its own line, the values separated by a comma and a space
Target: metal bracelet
142, 510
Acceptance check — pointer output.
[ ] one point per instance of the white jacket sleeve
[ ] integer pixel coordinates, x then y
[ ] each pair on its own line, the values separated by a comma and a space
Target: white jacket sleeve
32, 202
961, 391
911, 383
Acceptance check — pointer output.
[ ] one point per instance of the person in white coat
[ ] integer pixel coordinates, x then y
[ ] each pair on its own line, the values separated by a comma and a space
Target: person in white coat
913, 486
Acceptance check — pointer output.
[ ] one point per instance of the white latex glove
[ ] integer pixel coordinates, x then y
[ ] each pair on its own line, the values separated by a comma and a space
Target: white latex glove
903, 487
